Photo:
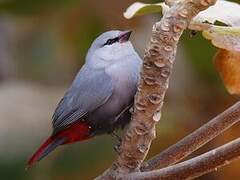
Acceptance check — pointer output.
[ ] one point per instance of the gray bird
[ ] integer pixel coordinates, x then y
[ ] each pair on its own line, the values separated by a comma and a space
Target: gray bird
100, 96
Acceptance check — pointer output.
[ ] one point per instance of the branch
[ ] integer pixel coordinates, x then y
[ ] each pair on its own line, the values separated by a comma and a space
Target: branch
197, 166
154, 78
195, 140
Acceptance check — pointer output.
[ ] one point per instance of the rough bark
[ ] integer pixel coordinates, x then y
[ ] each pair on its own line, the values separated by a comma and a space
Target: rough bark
195, 167
154, 78
195, 140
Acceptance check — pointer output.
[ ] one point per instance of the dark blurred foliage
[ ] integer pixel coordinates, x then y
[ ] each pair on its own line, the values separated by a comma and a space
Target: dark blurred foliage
28, 7
43, 44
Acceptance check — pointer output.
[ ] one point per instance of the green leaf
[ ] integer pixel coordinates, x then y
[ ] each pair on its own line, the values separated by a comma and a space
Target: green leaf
137, 9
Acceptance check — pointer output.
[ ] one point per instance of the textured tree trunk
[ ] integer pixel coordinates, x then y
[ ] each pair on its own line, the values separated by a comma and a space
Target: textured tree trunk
156, 70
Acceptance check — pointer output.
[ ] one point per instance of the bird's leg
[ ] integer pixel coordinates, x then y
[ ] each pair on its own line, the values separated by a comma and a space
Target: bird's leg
119, 140
115, 135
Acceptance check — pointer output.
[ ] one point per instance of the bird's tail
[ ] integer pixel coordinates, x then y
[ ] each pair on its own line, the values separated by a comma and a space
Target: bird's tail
77, 132
48, 146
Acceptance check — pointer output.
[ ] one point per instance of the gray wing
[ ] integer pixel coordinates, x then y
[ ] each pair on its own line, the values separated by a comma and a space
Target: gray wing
90, 89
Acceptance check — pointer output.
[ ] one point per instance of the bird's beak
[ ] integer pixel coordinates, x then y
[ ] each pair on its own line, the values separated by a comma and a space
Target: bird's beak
124, 36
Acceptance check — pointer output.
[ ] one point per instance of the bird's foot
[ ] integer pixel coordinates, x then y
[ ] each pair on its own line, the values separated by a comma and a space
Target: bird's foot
115, 135
119, 141
117, 149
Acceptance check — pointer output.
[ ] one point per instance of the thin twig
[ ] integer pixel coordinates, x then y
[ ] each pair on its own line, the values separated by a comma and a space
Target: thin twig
154, 80
195, 167
195, 140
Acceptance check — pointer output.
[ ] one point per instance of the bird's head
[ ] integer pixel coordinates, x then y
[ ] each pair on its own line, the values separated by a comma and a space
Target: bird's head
110, 47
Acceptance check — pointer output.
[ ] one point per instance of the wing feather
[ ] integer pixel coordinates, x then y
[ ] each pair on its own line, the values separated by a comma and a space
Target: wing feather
90, 89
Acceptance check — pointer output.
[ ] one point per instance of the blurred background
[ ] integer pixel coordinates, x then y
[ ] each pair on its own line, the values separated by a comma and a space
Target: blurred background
42, 46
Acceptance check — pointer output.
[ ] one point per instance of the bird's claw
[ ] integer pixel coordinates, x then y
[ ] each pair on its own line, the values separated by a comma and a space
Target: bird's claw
115, 135
119, 141
117, 148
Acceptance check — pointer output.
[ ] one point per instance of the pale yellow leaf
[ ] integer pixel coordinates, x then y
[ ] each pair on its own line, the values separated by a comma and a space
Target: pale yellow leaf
224, 37
223, 11
139, 8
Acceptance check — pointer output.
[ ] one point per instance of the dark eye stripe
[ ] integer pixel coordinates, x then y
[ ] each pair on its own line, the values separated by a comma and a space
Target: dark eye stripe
111, 41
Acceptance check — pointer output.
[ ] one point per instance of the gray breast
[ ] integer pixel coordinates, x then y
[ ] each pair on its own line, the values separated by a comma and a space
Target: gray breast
125, 78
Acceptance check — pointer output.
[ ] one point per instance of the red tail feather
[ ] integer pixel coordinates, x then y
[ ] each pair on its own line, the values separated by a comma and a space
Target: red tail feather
77, 132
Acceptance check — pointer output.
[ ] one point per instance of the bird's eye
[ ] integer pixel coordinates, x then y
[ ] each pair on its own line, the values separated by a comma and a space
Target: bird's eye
111, 41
